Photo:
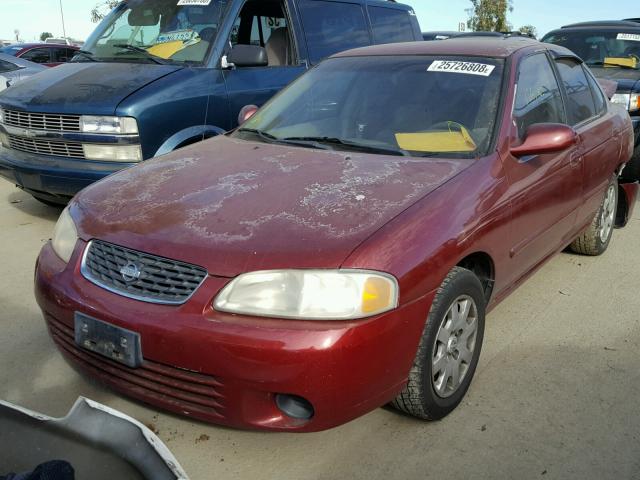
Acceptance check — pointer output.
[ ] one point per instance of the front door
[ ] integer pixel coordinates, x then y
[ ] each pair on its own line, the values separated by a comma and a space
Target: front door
265, 23
546, 190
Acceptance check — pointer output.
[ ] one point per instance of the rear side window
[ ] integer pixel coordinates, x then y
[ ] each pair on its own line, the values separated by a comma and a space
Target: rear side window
581, 106
331, 27
538, 99
391, 25
7, 66
60, 55
598, 96
37, 55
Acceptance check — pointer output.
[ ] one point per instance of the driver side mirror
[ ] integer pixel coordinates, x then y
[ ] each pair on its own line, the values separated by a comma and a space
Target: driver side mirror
546, 138
246, 113
248, 56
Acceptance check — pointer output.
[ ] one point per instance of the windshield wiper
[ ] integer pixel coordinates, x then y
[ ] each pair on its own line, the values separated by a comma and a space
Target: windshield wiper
354, 145
267, 137
86, 54
133, 48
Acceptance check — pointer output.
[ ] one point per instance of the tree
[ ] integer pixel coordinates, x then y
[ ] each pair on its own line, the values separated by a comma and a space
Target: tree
529, 30
101, 9
45, 35
489, 15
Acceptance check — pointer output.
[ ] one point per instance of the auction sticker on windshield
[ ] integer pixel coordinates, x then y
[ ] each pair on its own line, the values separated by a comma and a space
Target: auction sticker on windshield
198, 3
470, 68
634, 37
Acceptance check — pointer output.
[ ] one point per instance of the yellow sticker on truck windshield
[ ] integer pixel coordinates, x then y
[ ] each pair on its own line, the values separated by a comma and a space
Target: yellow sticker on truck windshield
634, 37
469, 68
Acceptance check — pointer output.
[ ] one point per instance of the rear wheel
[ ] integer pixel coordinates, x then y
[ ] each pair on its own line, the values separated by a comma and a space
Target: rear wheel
449, 349
595, 239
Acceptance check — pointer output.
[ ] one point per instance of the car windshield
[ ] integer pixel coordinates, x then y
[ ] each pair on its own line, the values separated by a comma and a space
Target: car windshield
611, 48
409, 105
156, 31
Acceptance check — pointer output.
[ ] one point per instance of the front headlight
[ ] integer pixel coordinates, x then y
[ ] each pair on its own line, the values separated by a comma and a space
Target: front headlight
65, 236
113, 153
310, 294
109, 125
630, 101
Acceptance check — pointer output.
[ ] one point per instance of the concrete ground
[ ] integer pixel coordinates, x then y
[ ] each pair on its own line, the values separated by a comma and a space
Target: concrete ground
555, 395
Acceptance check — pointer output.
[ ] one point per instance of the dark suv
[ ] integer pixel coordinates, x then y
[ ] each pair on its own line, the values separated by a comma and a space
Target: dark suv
157, 75
612, 51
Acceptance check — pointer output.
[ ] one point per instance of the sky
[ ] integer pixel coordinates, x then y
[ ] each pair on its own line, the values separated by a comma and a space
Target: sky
33, 17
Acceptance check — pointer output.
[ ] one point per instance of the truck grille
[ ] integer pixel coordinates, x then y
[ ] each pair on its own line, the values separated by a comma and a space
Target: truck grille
42, 121
140, 276
46, 147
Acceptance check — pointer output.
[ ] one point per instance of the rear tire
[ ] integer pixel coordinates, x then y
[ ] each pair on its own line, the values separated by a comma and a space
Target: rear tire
449, 349
595, 239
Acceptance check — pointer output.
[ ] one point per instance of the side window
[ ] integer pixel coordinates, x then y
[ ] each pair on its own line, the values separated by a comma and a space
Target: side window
598, 95
391, 25
538, 98
581, 105
331, 27
7, 66
264, 23
38, 55
60, 55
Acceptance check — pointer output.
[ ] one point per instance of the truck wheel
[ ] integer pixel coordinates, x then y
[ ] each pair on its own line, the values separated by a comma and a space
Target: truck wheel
449, 349
595, 239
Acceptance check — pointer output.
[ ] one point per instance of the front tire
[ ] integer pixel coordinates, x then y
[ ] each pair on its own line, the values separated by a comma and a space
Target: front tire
595, 239
449, 349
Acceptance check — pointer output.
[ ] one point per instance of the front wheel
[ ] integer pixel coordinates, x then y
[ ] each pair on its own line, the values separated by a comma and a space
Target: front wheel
449, 349
595, 239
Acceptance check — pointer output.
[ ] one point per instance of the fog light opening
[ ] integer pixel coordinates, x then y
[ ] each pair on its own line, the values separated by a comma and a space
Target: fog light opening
294, 406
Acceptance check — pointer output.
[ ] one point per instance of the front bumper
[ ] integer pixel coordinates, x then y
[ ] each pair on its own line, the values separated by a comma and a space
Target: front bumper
52, 177
227, 369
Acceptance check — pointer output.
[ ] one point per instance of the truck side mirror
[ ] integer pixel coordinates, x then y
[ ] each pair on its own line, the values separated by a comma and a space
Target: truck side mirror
246, 113
248, 56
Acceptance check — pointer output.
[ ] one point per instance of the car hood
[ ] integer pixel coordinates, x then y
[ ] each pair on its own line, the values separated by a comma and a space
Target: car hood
235, 206
626, 78
83, 88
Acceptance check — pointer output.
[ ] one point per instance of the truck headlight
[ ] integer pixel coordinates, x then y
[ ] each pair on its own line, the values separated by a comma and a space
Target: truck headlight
109, 125
630, 101
113, 153
310, 294
65, 236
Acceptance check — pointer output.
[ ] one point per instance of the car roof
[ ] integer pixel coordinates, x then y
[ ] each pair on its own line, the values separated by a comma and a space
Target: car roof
604, 24
499, 47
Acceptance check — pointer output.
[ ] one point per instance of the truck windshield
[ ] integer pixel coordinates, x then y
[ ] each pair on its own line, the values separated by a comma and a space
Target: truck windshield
156, 31
420, 106
610, 48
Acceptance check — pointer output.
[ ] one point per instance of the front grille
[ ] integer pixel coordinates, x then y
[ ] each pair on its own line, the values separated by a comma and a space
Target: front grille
42, 121
148, 278
189, 392
46, 147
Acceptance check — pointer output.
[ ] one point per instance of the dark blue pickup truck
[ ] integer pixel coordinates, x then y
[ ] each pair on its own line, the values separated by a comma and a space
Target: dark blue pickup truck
157, 75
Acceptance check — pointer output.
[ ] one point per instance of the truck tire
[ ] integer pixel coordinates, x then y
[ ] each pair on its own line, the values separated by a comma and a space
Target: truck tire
595, 239
449, 349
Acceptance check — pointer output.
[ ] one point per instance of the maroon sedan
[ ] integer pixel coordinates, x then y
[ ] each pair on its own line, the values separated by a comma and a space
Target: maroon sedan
47, 54
340, 249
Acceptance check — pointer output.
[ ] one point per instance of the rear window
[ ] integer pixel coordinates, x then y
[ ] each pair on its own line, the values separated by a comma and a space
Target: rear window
331, 27
391, 25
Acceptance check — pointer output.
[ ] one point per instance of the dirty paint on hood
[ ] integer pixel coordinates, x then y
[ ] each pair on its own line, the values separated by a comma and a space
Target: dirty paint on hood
234, 206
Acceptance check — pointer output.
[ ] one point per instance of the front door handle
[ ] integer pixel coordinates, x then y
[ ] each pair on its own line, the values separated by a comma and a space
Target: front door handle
575, 160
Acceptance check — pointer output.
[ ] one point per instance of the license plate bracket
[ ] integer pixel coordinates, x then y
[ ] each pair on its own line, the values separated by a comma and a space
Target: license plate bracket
115, 343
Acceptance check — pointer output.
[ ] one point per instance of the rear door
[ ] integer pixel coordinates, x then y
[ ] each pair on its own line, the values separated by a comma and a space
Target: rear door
546, 190
587, 112
265, 23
